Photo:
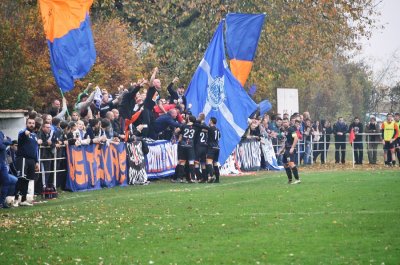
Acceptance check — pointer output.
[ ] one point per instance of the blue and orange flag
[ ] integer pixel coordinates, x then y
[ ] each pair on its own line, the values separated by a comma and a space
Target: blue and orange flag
70, 40
242, 34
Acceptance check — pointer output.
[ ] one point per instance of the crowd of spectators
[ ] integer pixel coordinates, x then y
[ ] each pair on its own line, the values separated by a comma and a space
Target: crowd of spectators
315, 137
145, 110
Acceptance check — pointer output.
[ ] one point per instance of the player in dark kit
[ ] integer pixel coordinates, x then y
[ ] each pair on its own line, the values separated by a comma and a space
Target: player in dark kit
201, 147
289, 152
213, 151
187, 135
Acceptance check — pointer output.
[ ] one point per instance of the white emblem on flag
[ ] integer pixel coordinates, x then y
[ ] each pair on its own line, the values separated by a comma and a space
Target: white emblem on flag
216, 92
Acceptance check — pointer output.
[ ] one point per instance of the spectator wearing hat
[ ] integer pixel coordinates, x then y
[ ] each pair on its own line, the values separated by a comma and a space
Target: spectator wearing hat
11, 157
177, 96
84, 102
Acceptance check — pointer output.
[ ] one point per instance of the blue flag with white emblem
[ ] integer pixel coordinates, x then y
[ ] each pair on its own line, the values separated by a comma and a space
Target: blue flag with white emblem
214, 91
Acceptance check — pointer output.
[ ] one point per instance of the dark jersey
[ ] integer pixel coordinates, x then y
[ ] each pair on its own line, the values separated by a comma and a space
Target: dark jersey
188, 133
213, 137
290, 134
201, 134
151, 98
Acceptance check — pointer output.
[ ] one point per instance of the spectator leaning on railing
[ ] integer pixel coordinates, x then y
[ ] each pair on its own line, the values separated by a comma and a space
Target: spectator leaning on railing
357, 128
340, 130
372, 140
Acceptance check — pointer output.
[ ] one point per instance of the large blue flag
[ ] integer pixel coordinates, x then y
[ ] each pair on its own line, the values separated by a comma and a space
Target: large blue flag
217, 93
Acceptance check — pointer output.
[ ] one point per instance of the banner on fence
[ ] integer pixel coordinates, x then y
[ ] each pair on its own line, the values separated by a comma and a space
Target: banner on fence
96, 166
269, 154
248, 154
137, 166
161, 159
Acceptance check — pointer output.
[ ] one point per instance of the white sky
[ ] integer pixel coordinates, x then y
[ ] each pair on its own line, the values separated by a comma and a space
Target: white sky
380, 49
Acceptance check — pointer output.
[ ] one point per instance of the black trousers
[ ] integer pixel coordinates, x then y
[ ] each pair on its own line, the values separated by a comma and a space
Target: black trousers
358, 153
26, 172
340, 152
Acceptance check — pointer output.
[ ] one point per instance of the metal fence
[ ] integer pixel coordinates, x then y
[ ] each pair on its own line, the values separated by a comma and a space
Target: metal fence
307, 150
306, 154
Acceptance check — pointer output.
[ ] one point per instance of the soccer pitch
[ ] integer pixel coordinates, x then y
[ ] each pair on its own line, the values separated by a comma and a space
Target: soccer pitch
333, 217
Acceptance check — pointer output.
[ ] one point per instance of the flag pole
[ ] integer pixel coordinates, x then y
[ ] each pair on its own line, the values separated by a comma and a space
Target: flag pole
62, 95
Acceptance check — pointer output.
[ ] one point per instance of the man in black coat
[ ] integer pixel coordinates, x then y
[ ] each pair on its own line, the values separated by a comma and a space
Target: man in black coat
340, 129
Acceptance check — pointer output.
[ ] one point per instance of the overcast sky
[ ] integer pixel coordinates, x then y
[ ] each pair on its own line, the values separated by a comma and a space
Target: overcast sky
379, 50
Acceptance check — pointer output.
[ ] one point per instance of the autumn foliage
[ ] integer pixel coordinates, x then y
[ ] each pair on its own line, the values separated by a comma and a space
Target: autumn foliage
304, 44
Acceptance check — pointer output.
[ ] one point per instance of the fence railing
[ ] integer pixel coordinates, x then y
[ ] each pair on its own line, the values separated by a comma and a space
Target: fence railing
307, 150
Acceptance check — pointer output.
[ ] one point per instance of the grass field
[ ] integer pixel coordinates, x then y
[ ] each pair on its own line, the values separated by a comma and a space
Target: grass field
335, 217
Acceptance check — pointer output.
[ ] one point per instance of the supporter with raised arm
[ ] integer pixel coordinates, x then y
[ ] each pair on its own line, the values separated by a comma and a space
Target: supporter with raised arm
177, 96
56, 111
150, 101
84, 102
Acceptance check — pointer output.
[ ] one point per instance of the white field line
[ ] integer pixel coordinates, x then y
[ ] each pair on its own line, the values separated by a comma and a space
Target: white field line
175, 187
277, 214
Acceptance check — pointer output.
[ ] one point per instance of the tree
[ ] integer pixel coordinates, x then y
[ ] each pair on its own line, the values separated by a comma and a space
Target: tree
394, 98
26, 76
13, 85
298, 36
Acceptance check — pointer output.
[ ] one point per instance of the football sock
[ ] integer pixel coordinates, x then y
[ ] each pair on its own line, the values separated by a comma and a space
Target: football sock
288, 173
216, 171
181, 171
210, 171
295, 173
192, 175
198, 173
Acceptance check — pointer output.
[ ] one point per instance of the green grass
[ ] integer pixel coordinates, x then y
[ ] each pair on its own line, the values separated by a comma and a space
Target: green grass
345, 217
